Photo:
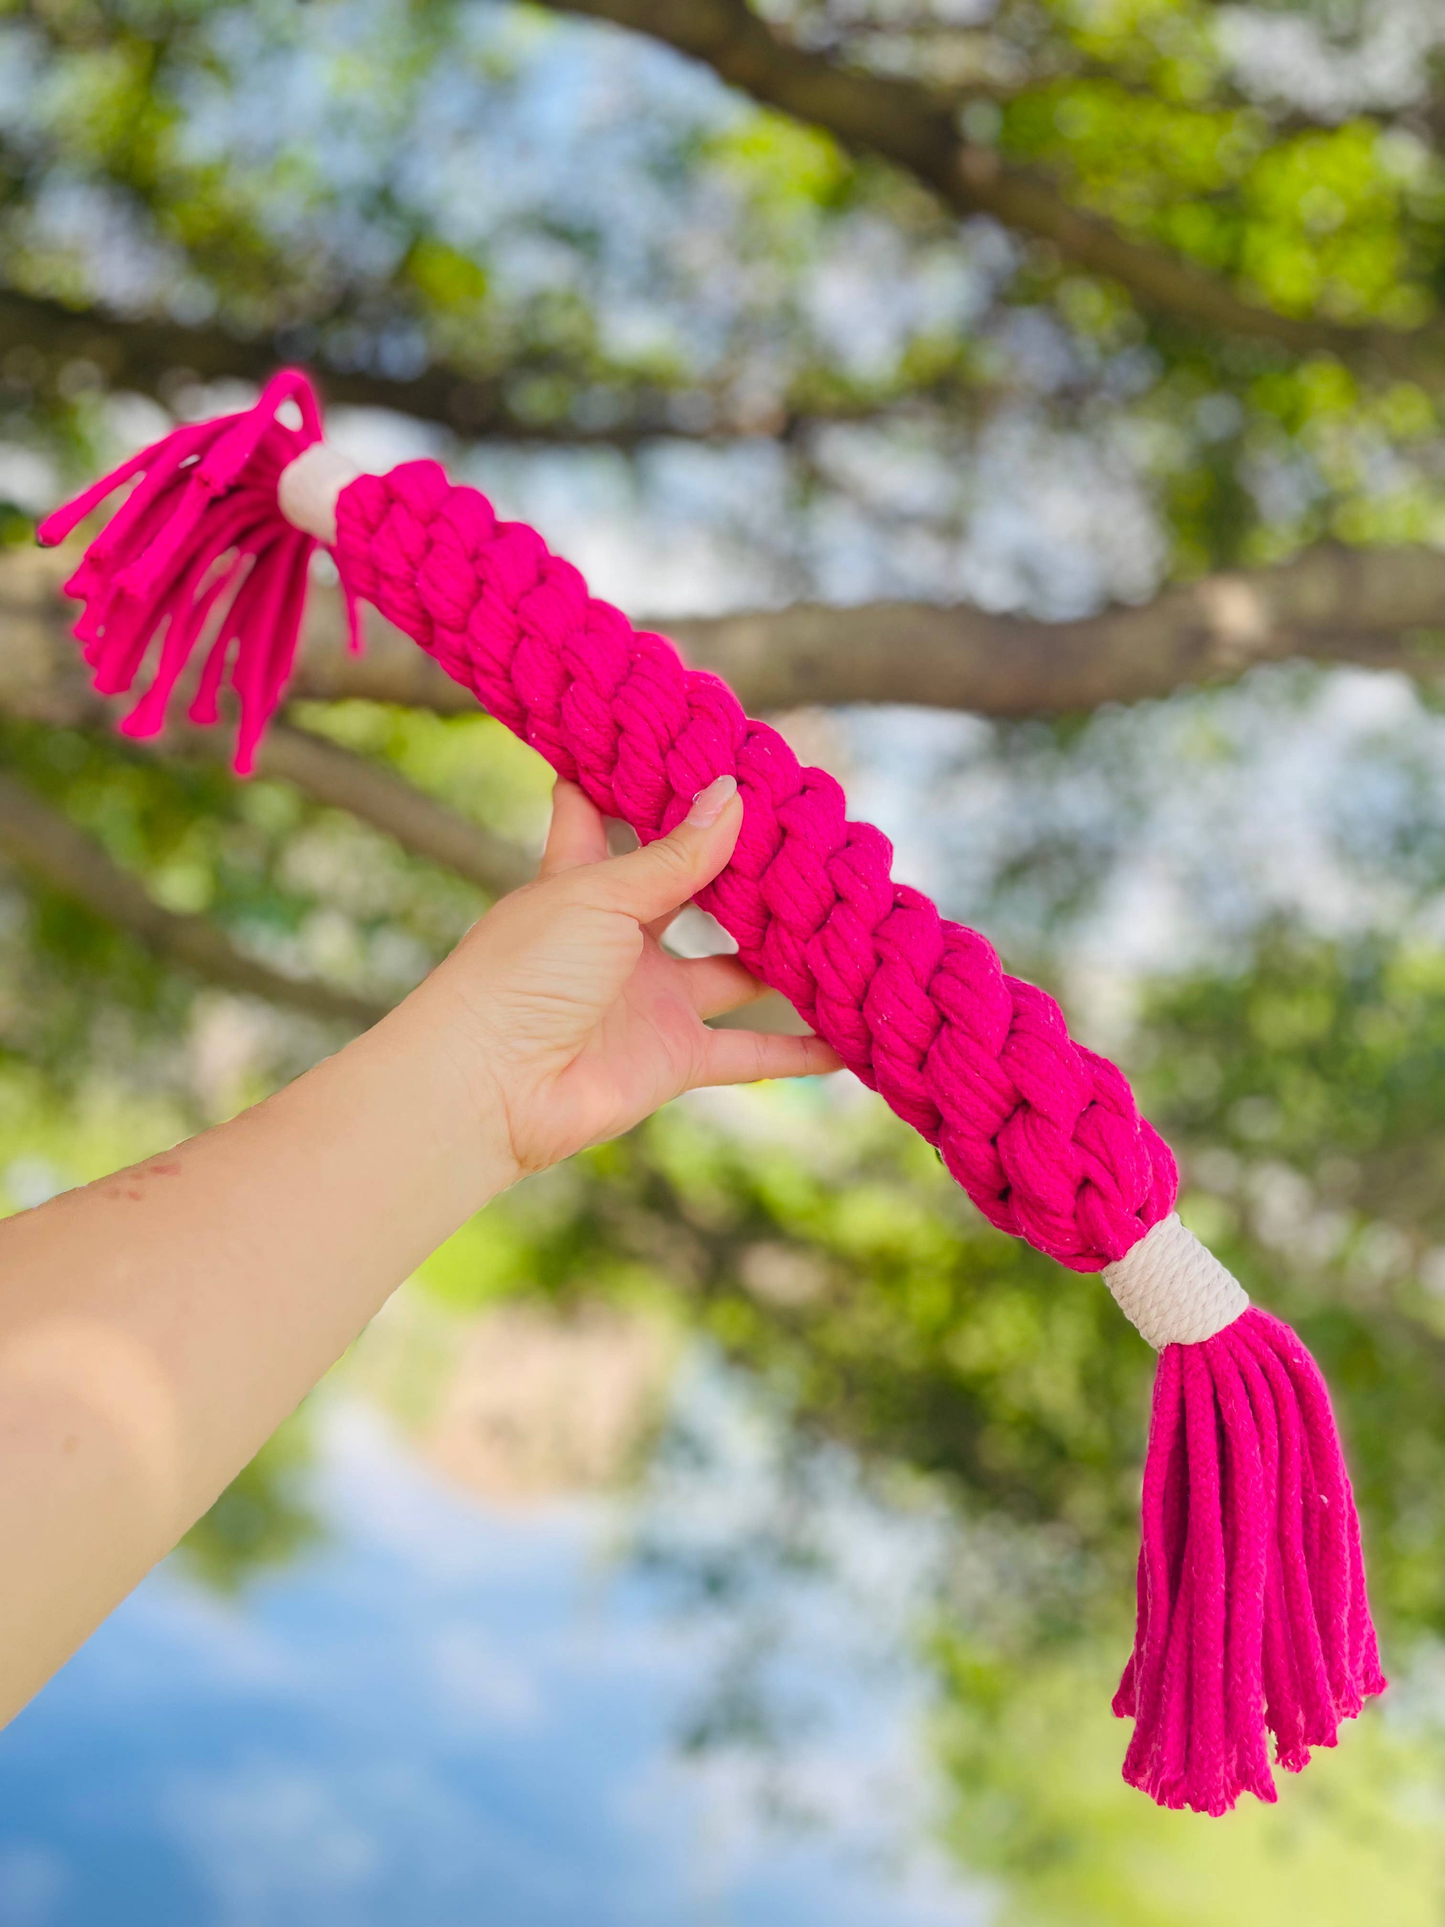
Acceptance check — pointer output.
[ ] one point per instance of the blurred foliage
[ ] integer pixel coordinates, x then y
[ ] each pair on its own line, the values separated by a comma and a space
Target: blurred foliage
310, 889
394, 184
839, 1260
1031, 1752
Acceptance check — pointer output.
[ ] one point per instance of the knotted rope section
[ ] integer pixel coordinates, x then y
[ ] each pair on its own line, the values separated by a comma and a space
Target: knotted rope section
1252, 1611
1043, 1134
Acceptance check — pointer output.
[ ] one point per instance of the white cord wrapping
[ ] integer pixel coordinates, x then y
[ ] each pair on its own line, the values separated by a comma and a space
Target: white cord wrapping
309, 487
1172, 1289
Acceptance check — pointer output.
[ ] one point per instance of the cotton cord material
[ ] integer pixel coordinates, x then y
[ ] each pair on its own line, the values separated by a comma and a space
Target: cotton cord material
1172, 1289
309, 486
1252, 1610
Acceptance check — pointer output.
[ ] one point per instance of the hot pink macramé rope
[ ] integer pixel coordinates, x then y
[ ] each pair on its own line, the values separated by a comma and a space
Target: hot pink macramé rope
1043, 1134
1252, 1609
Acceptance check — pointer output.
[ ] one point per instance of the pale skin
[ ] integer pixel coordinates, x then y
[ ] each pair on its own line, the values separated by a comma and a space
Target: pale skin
156, 1326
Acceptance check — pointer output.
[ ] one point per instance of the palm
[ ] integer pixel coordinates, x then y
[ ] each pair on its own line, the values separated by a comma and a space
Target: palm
645, 1048
590, 1024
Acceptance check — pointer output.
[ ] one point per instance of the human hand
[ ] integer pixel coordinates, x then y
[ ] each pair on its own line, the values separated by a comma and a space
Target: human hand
573, 1020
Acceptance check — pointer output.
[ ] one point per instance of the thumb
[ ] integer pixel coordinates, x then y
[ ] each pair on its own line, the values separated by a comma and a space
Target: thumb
664, 875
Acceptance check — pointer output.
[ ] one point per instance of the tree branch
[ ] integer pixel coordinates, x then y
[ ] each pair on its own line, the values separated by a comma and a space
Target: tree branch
45, 842
910, 124
1380, 608
42, 677
335, 776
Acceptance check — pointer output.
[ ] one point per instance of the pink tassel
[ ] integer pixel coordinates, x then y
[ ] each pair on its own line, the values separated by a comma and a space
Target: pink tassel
1252, 1607
200, 540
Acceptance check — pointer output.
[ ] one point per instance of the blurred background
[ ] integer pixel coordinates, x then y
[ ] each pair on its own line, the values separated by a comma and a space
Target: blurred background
1037, 408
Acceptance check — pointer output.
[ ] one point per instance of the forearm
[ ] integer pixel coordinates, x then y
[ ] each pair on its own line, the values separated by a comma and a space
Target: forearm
155, 1327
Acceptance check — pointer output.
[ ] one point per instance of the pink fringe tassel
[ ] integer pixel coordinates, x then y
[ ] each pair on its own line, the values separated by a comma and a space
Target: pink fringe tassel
199, 543
1252, 1606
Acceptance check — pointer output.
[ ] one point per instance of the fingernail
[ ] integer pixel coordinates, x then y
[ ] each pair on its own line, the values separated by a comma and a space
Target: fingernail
709, 804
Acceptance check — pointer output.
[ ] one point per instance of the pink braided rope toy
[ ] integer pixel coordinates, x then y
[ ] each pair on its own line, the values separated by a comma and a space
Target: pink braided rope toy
1252, 1611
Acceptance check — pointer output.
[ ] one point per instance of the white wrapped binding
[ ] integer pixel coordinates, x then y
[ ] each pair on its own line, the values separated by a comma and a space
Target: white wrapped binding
1174, 1290
309, 487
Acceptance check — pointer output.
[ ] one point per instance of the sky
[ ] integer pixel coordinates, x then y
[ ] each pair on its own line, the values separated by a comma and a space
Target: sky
453, 1714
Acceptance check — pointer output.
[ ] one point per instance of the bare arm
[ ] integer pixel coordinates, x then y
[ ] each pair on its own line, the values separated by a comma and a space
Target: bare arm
156, 1326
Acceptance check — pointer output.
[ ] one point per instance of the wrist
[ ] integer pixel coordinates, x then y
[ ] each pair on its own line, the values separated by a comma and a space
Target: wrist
445, 1095
441, 1033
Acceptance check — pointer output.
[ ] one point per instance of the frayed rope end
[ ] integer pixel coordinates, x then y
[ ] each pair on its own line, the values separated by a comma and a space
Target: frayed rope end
1253, 1615
199, 550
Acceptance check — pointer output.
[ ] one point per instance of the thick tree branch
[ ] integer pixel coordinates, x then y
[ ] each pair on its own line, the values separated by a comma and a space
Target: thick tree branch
45, 842
41, 677
335, 776
1381, 608
910, 124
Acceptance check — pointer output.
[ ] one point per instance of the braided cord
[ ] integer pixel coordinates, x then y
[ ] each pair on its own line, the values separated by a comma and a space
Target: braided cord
1042, 1134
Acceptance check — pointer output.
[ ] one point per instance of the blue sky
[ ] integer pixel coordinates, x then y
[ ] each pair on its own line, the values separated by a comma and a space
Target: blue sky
446, 1715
